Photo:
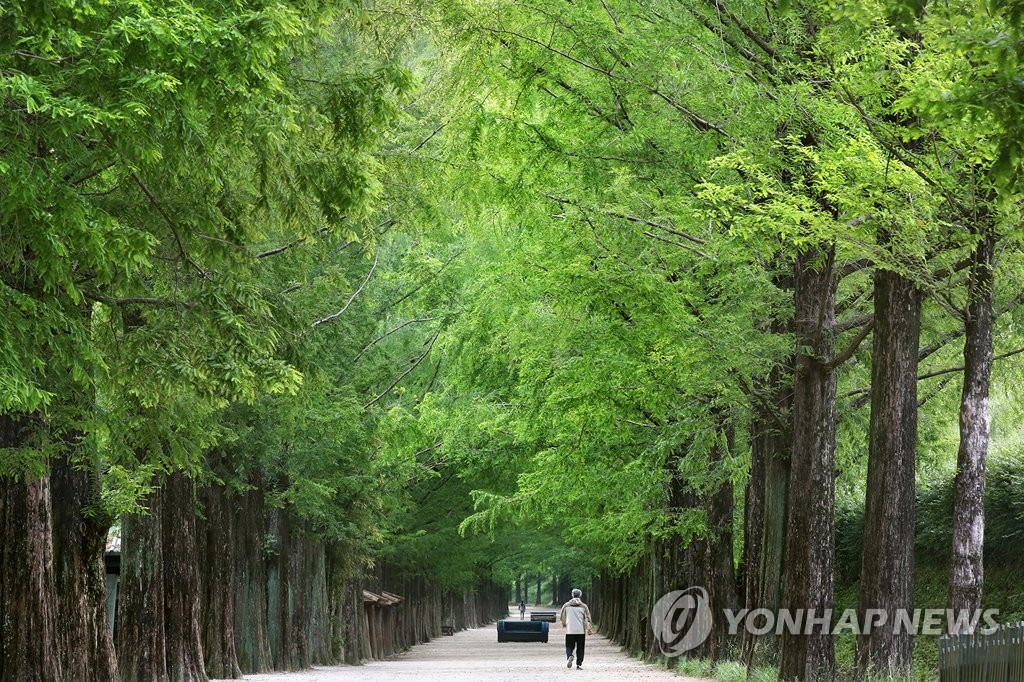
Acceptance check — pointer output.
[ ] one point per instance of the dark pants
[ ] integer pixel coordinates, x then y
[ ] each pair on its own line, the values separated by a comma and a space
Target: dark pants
577, 642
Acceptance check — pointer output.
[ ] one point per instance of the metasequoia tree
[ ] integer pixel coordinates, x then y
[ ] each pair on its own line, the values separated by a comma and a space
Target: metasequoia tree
781, 133
141, 184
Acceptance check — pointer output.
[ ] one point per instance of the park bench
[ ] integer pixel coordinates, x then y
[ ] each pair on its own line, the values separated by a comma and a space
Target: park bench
522, 631
447, 629
548, 616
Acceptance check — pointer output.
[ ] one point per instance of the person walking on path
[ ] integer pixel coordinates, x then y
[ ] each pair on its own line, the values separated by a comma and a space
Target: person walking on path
522, 609
575, 617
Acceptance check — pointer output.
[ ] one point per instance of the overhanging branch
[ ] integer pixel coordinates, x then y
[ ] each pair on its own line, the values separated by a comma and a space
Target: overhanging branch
415, 364
334, 316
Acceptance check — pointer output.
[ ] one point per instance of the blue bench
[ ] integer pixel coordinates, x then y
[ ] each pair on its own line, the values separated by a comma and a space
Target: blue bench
522, 631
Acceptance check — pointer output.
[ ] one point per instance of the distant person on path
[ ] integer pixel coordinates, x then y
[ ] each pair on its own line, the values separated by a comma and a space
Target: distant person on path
575, 617
522, 609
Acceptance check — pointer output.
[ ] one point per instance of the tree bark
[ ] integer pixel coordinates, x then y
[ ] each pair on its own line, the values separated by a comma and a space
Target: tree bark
252, 630
52, 597
140, 628
79, 541
29, 650
765, 522
720, 567
181, 581
220, 586
967, 562
887, 561
808, 582
159, 635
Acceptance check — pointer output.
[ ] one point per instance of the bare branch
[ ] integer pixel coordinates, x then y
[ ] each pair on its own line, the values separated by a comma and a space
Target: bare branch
950, 370
864, 394
855, 266
675, 243
294, 242
40, 58
701, 124
660, 226
170, 223
407, 372
640, 424
853, 324
334, 316
428, 137
852, 348
389, 333
138, 300
720, 7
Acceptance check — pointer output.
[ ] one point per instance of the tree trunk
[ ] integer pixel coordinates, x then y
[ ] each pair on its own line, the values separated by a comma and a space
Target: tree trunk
765, 522
29, 648
720, 568
538, 602
220, 588
79, 541
808, 581
967, 565
52, 594
181, 582
887, 562
159, 635
140, 628
252, 631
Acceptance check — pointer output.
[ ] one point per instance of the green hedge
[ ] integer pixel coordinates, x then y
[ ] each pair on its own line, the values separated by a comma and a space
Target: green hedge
1004, 521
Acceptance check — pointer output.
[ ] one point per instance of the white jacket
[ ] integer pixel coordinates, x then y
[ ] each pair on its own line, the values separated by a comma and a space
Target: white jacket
575, 616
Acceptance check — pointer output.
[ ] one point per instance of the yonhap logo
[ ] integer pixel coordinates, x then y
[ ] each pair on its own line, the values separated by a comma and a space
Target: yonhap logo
681, 620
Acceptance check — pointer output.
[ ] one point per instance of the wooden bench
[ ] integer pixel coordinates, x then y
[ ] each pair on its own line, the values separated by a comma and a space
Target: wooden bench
548, 616
447, 629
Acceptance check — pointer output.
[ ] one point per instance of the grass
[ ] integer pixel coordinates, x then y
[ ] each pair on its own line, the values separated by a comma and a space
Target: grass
695, 667
724, 671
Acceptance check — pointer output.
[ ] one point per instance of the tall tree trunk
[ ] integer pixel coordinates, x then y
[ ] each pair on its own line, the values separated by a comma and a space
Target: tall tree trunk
140, 627
79, 541
52, 590
252, 630
765, 522
29, 648
887, 562
967, 565
720, 568
538, 602
519, 590
159, 634
181, 582
29, 634
220, 588
809, 579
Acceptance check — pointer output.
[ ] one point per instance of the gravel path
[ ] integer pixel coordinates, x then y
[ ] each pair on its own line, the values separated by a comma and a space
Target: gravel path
476, 655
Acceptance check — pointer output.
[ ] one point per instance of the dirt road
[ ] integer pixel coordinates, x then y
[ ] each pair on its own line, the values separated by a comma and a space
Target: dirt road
476, 655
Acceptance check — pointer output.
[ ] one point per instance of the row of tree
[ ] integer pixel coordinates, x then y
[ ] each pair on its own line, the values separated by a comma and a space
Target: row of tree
601, 289
721, 256
193, 232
